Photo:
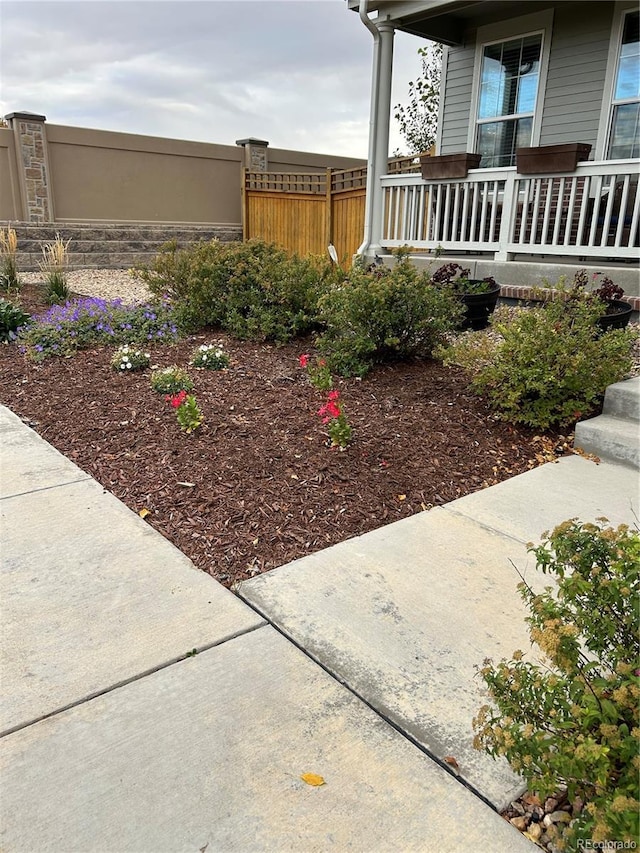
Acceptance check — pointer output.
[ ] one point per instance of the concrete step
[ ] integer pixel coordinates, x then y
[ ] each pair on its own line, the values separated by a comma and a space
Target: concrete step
610, 437
622, 400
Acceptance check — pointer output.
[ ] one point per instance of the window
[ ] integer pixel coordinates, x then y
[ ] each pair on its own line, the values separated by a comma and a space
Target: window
624, 140
509, 79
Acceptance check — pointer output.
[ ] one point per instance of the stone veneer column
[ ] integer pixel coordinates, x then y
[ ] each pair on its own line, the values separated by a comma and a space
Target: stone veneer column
255, 154
33, 165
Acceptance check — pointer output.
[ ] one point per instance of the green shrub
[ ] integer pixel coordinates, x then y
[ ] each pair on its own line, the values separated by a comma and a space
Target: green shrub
577, 722
89, 321
54, 266
171, 380
548, 364
11, 319
254, 290
384, 314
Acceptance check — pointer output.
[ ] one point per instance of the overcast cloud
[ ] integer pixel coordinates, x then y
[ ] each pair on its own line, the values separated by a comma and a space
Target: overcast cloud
294, 72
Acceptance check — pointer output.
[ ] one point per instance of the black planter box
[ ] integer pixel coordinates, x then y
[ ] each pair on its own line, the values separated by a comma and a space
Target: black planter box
549, 159
448, 165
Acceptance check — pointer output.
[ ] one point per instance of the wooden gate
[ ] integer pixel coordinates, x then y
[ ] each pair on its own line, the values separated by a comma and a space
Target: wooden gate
304, 212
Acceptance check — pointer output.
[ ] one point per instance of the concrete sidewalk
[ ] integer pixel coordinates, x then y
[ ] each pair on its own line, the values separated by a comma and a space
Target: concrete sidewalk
116, 738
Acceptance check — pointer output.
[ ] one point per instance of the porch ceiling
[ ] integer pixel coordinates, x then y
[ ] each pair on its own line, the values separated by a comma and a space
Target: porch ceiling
447, 20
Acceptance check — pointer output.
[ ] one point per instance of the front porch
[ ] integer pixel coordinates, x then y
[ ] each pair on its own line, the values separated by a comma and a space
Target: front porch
520, 228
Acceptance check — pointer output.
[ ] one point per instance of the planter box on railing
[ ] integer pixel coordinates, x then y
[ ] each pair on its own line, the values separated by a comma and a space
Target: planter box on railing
550, 159
448, 165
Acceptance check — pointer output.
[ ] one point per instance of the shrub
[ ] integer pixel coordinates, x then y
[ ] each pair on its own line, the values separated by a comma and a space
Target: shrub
209, 357
384, 314
11, 319
128, 359
8, 264
577, 723
54, 266
548, 364
253, 290
171, 380
83, 323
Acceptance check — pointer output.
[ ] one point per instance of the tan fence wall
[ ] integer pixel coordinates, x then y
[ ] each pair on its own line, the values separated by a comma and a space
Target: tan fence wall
103, 176
10, 203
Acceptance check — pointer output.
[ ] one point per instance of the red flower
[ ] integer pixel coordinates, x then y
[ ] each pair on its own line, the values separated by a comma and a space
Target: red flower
334, 395
304, 360
177, 400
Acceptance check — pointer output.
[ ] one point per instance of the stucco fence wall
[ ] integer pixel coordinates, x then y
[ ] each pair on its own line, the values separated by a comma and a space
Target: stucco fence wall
57, 176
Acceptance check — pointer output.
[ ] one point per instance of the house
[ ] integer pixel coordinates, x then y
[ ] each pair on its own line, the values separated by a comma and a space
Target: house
559, 78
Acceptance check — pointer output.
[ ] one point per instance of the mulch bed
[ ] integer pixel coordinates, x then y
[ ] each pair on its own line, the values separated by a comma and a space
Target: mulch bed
257, 486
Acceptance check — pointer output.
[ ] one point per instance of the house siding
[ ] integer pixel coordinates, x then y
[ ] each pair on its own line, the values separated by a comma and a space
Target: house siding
455, 115
575, 83
574, 87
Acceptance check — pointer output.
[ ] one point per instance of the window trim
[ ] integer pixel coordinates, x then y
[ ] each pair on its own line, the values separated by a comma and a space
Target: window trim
615, 46
539, 23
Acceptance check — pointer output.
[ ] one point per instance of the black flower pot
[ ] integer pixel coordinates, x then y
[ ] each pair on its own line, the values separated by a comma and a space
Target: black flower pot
617, 316
479, 307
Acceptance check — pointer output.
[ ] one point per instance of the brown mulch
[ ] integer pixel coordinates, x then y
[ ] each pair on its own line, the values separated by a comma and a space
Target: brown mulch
257, 486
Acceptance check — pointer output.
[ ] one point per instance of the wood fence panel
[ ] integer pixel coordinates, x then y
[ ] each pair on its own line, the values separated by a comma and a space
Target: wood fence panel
295, 222
304, 212
347, 223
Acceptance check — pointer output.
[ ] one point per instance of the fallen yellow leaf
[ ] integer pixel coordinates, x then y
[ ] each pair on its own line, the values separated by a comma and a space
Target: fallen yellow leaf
313, 779
144, 512
402, 497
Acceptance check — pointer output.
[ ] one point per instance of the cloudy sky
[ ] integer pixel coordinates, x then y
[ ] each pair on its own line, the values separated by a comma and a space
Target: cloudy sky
294, 72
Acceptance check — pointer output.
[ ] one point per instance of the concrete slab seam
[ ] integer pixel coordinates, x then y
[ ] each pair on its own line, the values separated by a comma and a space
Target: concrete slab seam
138, 677
442, 764
47, 488
487, 527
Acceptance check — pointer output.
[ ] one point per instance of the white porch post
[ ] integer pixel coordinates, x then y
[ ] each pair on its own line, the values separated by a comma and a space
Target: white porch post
380, 117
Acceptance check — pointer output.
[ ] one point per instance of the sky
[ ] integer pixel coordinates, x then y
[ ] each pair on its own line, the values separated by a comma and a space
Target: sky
294, 72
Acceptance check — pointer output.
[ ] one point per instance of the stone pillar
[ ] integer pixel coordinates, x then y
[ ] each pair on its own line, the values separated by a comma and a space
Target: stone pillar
255, 154
33, 165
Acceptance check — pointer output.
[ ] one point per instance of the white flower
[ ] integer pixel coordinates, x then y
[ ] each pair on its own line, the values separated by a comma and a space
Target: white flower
128, 365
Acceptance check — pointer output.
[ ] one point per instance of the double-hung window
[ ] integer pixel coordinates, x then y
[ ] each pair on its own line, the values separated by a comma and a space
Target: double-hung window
509, 81
624, 137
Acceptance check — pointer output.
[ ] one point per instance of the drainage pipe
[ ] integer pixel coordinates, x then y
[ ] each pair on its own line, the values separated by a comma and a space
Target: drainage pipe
378, 130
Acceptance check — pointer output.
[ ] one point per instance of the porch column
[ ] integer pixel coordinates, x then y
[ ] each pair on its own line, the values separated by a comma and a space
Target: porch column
380, 117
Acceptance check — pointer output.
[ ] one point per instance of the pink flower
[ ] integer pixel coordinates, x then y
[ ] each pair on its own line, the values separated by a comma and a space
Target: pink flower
334, 395
304, 360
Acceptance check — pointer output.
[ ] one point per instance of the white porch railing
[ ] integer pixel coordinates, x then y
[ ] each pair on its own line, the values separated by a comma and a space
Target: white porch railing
593, 212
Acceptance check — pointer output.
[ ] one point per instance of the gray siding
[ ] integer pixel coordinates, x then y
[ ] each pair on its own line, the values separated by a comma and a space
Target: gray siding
457, 99
575, 80
575, 83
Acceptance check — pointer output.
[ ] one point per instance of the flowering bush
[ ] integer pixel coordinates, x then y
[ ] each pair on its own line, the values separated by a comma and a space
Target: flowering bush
126, 358
332, 413
171, 380
209, 357
576, 723
87, 322
187, 410
318, 373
